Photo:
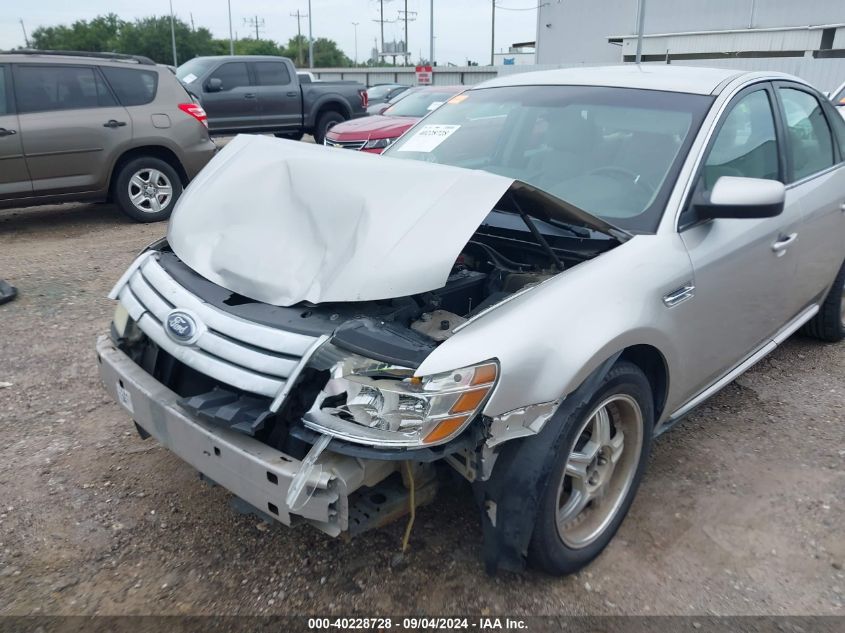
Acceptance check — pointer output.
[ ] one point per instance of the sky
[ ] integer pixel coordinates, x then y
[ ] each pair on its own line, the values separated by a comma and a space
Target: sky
461, 27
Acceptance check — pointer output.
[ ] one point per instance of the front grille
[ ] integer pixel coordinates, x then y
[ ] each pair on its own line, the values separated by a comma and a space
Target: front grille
237, 352
345, 144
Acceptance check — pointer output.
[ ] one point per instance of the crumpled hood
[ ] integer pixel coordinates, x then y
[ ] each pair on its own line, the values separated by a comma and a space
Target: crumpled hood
284, 222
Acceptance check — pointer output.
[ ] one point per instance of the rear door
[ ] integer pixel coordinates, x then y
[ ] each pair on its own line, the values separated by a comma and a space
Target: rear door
14, 177
71, 125
816, 181
279, 96
235, 105
745, 285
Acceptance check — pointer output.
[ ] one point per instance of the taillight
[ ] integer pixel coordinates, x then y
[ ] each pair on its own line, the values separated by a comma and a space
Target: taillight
365, 100
196, 111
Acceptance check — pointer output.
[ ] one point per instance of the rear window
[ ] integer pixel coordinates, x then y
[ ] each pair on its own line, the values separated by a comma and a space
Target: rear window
132, 87
272, 74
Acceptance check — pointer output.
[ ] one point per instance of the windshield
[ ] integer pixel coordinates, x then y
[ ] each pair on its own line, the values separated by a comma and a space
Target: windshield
379, 92
190, 70
613, 152
418, 104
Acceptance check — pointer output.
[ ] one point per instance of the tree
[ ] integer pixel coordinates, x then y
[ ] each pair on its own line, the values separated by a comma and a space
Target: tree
326, 52
151, 37
249, 46
100, 34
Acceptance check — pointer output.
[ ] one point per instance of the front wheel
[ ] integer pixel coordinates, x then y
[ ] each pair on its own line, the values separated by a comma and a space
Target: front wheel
600, 461
829, 324
146, 189
326, 122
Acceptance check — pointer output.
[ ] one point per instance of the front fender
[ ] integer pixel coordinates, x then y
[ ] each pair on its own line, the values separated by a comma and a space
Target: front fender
552, 337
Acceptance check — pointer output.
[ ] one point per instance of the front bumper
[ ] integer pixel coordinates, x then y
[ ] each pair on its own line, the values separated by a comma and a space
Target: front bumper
255, 472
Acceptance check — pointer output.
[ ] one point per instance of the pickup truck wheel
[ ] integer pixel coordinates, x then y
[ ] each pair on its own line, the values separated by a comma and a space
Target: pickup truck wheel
829, 323
146, 189
291, 136
600, 461
326, 122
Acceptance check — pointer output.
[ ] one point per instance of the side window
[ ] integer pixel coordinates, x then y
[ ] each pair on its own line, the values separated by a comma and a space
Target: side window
4, 94
745, 144
810, 146
132, 87
232, 74
271, 74
50, 88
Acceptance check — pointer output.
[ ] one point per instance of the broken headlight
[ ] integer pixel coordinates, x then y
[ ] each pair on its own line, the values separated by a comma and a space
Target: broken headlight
371, 402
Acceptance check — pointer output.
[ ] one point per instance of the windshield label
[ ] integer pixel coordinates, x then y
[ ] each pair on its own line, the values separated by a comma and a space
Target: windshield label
190, 77
434, 105
428, 138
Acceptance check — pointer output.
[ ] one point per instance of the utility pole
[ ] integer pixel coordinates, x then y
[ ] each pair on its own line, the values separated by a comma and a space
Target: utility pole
381, 23
173, 34
355, 24
25, 38
310, 39
255, 23
193, 28
431, 36
404, 15
298, 17
640, 28
493, 35
231, 39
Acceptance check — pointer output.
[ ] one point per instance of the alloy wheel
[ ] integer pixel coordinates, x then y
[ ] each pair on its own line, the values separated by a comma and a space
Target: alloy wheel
150, 190
599, 471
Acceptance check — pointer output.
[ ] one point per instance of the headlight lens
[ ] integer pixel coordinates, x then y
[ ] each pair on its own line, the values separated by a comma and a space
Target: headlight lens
371, 402
379, 143
121, 318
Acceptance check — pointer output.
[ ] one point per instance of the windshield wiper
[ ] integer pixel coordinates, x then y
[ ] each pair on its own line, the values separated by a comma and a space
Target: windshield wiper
536, 233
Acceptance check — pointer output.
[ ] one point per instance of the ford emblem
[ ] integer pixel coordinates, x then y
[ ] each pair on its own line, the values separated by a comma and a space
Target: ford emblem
182, 327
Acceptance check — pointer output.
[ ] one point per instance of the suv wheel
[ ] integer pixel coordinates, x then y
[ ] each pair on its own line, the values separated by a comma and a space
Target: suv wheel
829, 323
147, 188
327, 121
600, 462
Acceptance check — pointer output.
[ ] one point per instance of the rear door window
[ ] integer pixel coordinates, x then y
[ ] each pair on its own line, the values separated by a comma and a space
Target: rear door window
50, 88
271, 74
810, 146
232, 74
132, 87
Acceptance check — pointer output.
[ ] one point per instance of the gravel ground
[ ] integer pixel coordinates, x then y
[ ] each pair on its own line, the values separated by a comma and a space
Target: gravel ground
741, 510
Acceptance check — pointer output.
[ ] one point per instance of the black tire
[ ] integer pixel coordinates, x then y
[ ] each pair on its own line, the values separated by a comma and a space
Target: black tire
290, 136
327, 121
149, 165
547, 550
829, 324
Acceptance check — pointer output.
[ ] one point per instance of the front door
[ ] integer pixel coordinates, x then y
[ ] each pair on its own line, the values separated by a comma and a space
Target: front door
70, 125
230, 99
279, 97
745, 270
14, 178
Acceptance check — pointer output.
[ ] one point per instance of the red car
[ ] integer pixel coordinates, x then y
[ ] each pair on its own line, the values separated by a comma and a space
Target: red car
374, 134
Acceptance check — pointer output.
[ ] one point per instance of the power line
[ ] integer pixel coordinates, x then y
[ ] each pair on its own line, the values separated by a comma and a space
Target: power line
255, 23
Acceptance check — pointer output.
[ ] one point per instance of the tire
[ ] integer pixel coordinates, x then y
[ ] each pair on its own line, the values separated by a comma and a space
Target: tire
291, 136
327, 121
147, 188
625, 395
829, 324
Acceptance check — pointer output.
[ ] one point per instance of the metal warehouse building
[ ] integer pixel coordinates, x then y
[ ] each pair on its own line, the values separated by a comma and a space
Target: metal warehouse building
805, 38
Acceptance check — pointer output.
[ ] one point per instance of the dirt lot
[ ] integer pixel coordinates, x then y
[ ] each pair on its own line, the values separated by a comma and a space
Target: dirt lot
741, 512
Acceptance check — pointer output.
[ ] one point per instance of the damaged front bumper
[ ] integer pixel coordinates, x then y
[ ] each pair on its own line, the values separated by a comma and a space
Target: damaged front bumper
253, 471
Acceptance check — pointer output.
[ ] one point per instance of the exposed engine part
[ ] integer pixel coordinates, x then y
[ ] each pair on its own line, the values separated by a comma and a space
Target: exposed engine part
517, 281
389, 499
437, 324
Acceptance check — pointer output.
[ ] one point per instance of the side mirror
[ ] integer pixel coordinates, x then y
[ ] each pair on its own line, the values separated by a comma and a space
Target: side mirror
215, 84
739, 198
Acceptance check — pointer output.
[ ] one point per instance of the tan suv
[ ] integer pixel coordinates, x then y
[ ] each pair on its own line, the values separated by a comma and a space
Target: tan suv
96, 127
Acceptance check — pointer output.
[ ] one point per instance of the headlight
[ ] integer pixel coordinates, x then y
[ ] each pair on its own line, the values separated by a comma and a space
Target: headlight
371, 402
379, 143
121, 318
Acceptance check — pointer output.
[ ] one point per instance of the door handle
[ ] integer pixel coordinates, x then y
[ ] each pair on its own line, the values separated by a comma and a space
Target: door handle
292, 94
5, 132
783, 243
249, 95
113, 124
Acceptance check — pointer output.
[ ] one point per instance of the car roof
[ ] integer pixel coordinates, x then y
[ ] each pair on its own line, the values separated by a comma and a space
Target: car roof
73, 57
666, 77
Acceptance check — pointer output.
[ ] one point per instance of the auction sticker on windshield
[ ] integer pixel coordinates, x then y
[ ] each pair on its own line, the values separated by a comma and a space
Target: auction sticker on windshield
428, 138
189, 78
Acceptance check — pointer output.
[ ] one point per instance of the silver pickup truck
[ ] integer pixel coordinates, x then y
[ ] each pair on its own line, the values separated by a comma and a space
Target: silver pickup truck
533, 282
